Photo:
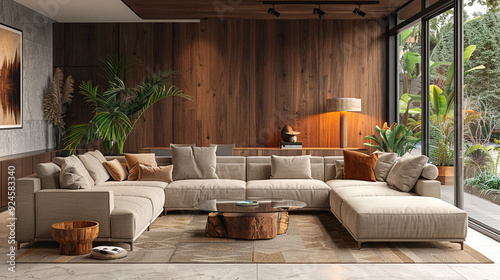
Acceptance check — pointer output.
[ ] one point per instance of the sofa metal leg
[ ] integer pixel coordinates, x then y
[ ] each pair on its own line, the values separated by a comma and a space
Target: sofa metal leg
149, 228
131, 246
18, 245
164, 211
359, 245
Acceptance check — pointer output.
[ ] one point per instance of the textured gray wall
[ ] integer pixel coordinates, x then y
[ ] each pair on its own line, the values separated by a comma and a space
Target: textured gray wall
36, 133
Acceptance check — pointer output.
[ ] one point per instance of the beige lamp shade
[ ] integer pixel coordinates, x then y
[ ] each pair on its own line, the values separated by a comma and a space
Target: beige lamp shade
343, 104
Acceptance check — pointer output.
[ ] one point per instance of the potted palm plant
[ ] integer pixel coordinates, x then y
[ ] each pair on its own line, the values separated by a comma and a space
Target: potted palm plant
118, 108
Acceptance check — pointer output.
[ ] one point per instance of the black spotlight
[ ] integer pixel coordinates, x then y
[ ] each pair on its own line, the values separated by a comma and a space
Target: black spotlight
357, 11
318, 11
273, 12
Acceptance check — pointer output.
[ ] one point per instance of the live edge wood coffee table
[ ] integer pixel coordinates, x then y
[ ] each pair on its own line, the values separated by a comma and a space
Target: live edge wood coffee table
264, 221
75, 237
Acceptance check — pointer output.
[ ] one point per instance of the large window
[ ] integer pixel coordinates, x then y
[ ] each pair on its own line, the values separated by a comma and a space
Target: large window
433, 107
482, 112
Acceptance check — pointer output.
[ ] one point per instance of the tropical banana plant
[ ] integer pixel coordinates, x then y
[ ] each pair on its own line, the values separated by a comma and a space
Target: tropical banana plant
118, 108
394, 139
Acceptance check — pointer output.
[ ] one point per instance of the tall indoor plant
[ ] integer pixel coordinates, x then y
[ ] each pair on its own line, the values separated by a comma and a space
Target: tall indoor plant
118, 108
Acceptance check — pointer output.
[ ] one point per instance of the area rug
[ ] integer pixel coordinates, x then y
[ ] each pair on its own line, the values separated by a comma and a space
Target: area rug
316, 237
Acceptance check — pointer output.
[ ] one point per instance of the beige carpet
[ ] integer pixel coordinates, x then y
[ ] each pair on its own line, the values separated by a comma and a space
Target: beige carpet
311, 238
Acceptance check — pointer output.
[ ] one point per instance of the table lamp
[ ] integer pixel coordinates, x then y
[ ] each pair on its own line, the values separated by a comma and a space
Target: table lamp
343, 105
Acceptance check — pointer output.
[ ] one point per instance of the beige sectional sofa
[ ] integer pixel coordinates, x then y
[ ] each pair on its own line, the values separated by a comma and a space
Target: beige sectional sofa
371, 211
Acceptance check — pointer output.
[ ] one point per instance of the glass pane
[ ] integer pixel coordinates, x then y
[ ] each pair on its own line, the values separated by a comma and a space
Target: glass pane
441, 99
481, 112
410, 82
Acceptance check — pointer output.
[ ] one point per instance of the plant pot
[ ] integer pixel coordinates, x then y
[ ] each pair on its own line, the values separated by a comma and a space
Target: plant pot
446, 175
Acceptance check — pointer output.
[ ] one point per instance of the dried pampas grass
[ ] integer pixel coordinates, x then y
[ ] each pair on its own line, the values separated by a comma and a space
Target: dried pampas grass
55, 103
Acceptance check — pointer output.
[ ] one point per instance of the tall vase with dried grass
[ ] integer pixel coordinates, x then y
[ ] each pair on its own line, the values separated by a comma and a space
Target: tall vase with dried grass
55, 104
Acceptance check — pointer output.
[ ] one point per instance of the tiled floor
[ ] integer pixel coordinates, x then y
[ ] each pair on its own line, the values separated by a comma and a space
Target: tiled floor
485, 245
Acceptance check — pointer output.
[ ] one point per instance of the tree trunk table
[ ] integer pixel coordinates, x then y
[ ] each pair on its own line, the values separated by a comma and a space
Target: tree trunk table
75, 237
247, 225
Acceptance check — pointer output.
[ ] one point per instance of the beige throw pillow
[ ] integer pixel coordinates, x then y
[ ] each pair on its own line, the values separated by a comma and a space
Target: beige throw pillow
384, 164
74, 175
194, 162
115, 169
133, 161
405, 172
98, 155
49, 175
294, 167
160, 173
339, 169
94, 167
430, 171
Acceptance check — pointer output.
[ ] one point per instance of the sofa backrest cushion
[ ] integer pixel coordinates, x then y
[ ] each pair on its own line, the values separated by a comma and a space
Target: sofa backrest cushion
227, 167
330, 170
48, 174
74, 175
95, 168
259, 168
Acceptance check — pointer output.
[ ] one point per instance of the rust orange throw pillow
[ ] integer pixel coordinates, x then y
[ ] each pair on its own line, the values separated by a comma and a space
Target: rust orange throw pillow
359, 166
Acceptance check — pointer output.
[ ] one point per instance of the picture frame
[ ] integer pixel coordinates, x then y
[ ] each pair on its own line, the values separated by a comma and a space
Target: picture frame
11, 77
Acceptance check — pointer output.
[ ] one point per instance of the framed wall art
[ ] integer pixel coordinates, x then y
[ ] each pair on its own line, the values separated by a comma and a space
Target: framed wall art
11, 88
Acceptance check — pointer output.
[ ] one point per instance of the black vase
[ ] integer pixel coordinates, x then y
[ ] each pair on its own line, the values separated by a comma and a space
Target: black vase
58, 137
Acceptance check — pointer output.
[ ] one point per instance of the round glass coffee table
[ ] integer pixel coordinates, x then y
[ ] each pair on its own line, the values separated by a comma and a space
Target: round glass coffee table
265, 220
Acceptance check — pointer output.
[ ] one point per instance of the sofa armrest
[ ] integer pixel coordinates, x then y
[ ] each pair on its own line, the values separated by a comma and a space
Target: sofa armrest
426, 187
26, 188
58, 205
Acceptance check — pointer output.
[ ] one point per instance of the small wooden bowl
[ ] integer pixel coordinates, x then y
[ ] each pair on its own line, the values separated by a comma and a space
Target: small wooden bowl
75, 237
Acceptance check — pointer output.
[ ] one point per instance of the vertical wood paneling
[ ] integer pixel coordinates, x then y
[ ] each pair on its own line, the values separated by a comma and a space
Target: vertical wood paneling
152, 45
247, 78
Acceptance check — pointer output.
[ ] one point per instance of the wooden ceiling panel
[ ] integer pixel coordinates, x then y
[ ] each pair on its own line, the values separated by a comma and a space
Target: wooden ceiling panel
252, 9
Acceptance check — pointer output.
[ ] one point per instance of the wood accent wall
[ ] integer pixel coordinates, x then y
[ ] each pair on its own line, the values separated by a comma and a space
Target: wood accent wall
248, 78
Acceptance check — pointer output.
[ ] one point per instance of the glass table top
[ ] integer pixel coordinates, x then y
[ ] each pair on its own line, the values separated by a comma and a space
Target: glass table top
264, 206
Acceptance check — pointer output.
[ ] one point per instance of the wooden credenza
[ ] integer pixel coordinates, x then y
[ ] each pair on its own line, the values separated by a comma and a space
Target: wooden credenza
265, 151
260, 151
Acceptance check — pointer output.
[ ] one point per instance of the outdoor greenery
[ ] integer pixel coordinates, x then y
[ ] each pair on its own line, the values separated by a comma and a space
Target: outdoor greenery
481, 115
118, 108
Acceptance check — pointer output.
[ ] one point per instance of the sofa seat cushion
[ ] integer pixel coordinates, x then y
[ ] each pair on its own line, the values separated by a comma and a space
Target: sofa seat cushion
155, 195
409, 218
130, 216
313, 192
337, 195
341, 183
183, 194
153, 184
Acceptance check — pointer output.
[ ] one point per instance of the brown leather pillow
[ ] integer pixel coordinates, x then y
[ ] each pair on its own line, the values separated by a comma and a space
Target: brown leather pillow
160, 173
134, 159
359, 166
116, 170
